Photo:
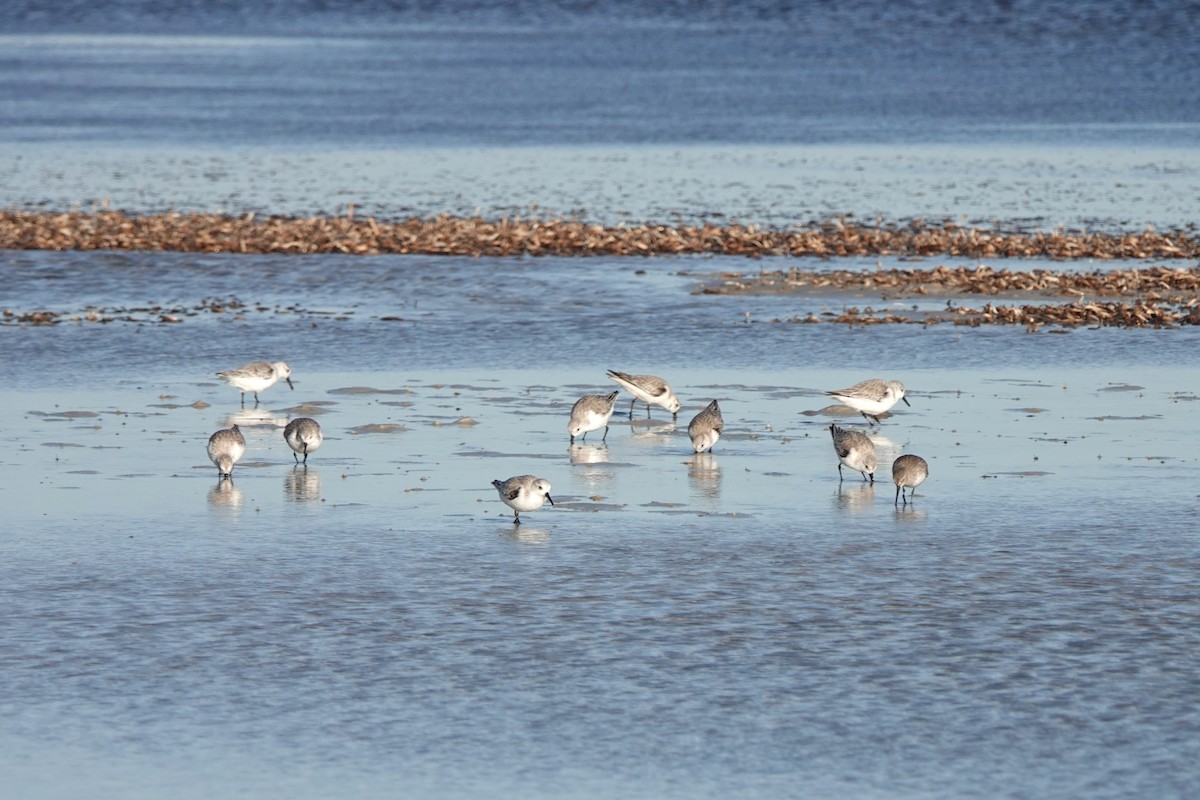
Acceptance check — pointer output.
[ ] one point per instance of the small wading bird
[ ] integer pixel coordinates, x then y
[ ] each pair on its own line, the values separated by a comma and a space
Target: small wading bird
523, 493
854, 450
256, 376
909, 472
591, 413
225, 448
872, 397
705, 429
650, 389
303, 435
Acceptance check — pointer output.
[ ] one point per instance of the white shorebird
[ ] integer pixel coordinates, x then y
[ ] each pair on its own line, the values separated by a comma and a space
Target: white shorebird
908, 471
303, 435
225, 448
854, 450
591, 413
705, 428
650, 389
872, 397
523, 493
256, 376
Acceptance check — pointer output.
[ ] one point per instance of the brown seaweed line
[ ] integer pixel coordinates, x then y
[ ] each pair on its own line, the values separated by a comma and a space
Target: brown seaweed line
448, 235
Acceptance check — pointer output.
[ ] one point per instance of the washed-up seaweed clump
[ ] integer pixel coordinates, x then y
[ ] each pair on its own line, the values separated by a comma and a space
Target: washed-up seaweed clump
447, 235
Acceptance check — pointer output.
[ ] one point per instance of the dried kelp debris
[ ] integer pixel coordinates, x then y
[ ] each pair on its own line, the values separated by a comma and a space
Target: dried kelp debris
1032, 316
1150, 297
446, 235
1156, 283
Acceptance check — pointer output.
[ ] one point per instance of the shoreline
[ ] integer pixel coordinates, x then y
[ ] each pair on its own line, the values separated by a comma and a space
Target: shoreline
527, 236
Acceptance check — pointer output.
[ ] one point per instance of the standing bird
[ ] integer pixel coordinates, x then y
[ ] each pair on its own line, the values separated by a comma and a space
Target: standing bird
523, 493
225, 448
910, 471
872, 397
256, 376
705, 429
303, 435
854, 450
591, 413
650, 389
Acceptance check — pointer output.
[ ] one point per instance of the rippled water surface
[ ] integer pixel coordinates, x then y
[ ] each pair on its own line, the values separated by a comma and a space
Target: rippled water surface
739, 624
676, 625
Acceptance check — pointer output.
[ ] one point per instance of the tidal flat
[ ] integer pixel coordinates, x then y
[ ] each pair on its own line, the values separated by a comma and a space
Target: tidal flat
1027, 624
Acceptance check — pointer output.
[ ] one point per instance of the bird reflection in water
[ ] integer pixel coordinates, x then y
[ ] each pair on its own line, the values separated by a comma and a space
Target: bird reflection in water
652, 431
588, 454
705, 475
255, 417
302, 484
592, 460
225, 495
855, 496
526, 534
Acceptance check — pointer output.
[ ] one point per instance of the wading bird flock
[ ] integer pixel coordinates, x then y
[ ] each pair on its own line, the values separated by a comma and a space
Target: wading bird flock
592, 412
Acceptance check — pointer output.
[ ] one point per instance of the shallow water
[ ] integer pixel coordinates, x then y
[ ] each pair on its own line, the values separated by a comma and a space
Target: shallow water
675, 626
739, 624
1073, 113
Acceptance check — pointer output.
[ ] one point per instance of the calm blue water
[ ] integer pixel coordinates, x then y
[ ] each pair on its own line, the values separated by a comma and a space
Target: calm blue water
734, 626
382, 75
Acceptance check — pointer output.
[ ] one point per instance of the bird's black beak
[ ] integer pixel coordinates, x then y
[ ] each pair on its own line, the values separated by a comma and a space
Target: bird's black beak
905, 399
293, 388
551, 499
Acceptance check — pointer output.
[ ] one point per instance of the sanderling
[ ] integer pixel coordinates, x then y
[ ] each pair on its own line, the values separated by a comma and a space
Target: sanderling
523, 493
908, 471
705, 429
256, 376
591, 413
854, 450
225, 448
303, 435
872, 397
649, 389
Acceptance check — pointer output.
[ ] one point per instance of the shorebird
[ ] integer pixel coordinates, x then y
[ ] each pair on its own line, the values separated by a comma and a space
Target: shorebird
908, 471
872, 397
854, 450
591, 413
650, 389
523, 493
303, 435
705, 429
225, 448
256, 376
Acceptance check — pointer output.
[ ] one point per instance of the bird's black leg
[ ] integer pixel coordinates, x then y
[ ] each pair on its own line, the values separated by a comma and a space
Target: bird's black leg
605, 436
899, 489
839, 472
631, 405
